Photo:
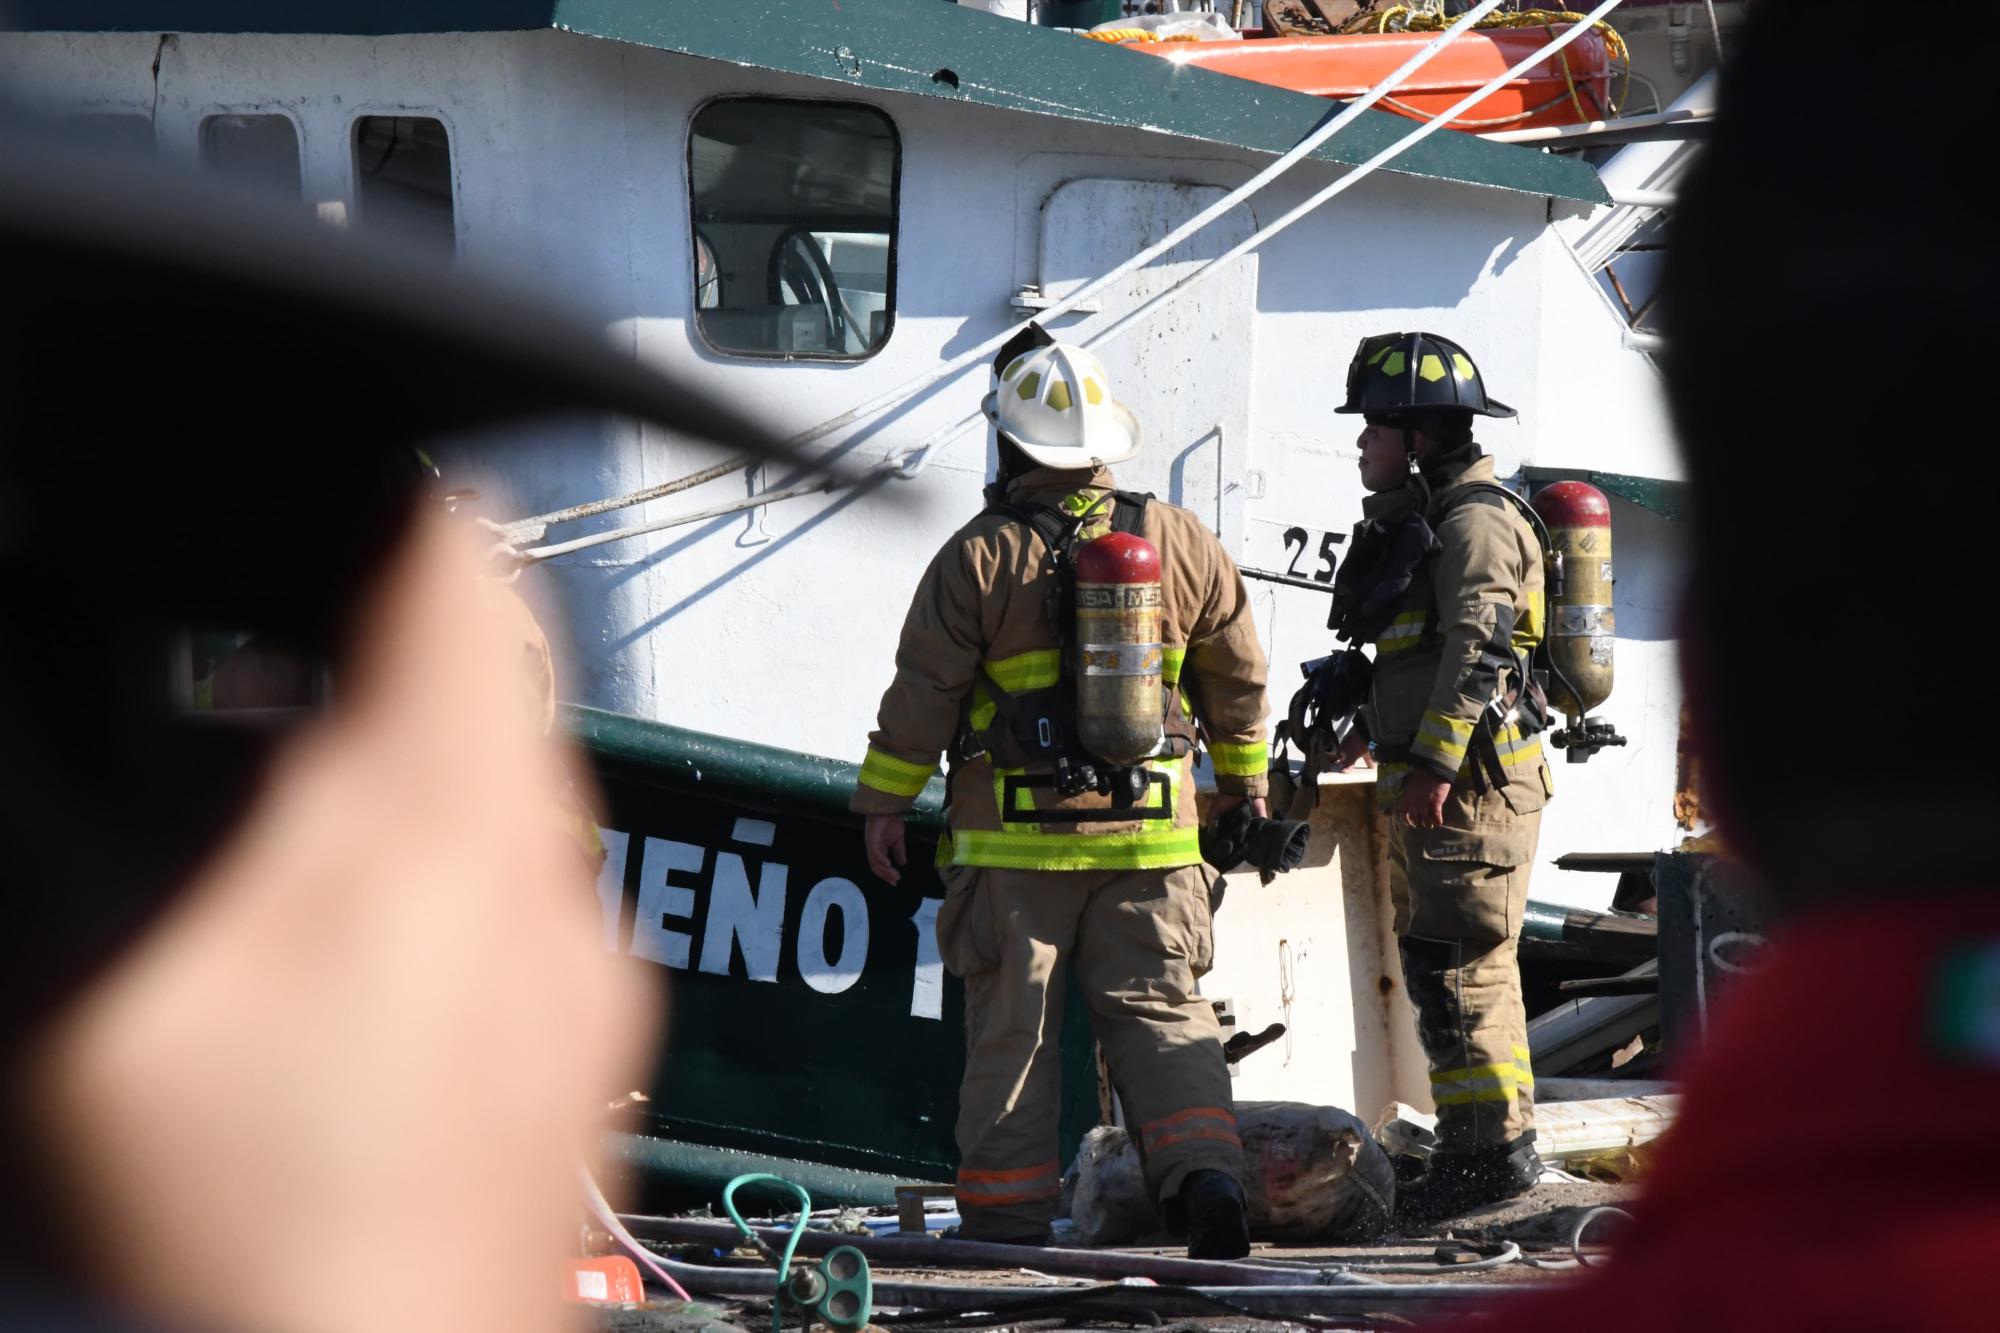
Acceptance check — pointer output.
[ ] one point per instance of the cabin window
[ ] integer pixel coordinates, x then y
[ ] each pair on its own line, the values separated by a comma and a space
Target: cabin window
402, 178
261, 151
794, 227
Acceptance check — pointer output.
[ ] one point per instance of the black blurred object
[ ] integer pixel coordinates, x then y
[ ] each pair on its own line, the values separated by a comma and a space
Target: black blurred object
1635, 891
1715, 919
1271, 846
1249, 1043
208, 405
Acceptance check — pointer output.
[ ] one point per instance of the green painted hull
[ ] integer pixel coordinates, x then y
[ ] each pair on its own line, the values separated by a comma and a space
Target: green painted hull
809, 1022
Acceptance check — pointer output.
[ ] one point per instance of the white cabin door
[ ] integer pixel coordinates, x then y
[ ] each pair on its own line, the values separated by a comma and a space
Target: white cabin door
1186, 370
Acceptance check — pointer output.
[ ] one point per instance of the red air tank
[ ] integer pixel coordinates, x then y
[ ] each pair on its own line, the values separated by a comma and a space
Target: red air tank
1120, 710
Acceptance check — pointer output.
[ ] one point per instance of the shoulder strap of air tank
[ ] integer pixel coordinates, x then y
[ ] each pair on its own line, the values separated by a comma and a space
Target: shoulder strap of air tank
1485, 493
1052, 525
1128, 514
1478, 492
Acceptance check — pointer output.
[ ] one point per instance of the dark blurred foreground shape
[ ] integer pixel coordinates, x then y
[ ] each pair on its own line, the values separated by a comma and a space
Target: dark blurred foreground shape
210, 417
1830, 305
143, 493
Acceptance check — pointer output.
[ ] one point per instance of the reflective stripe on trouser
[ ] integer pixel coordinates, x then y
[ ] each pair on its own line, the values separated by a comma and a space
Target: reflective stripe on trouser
1136, 940
1460, 922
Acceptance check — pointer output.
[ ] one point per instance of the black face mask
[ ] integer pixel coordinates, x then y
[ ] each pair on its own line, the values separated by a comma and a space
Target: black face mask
1370, 585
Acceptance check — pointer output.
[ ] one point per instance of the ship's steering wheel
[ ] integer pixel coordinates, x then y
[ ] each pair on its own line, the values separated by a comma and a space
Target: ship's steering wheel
800, 264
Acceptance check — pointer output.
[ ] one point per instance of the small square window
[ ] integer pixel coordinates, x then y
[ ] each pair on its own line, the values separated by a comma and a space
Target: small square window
260, 151
402, 178
794, 212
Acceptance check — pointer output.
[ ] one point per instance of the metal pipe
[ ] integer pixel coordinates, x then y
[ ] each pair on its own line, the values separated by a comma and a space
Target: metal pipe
1354, 1299
1663, 120
1347, 1296
1630, 317
926, 1251
1289, 580
1412, 1298
1643, 198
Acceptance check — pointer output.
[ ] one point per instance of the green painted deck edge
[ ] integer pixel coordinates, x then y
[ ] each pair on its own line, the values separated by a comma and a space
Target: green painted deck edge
925, 48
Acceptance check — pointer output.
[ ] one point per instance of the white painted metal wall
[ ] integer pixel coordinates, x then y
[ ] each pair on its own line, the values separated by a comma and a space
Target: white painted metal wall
569, 157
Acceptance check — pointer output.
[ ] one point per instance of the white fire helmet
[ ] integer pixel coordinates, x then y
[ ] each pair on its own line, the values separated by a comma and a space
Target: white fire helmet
1055, 403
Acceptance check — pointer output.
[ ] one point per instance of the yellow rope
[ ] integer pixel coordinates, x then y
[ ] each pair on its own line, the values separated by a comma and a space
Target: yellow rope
1403, 18
1142, 35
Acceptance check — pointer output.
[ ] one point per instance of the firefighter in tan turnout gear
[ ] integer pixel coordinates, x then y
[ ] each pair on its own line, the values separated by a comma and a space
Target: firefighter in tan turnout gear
1445, 578
1020, 662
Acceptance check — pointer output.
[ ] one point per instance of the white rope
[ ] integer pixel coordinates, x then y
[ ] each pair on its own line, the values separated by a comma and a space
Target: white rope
757, 501
532, 529
911, 463
1325, 130
914, 462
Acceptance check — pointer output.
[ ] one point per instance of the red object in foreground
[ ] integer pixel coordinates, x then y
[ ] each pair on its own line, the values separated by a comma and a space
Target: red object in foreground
1835, 1164
1344, 67
613, 1280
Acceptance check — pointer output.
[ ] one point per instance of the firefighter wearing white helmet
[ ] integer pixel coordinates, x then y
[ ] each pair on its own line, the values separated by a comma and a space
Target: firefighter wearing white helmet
1058, 854
1054, 403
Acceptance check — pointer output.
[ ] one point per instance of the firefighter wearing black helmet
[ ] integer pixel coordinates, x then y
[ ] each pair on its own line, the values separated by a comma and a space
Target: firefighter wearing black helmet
1445, 580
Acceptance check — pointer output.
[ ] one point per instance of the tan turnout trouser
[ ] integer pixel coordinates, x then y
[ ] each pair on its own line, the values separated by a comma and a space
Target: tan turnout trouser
1459, 893
1138, 941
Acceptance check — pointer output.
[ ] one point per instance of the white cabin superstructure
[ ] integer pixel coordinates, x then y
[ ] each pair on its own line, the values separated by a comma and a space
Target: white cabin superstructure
566, 146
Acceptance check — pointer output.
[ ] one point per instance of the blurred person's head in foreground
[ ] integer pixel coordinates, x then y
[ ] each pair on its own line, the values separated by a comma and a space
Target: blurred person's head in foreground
305, 1025
1830, 307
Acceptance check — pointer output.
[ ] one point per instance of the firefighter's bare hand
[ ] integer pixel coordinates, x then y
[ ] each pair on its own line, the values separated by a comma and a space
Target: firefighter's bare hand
342, 1084
1352, 751
1422, 802
884, 836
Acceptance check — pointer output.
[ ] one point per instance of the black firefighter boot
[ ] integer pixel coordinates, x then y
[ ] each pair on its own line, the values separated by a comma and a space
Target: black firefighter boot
1458, 1182
1218, 1220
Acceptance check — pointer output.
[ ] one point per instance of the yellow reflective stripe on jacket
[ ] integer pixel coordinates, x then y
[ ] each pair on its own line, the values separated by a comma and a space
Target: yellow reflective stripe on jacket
1516, 749
1042, 670
1146, 850
1240, 761
1405, 632
1528, 632
1523, 1074
1037, 670
1442, 738
897, 777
